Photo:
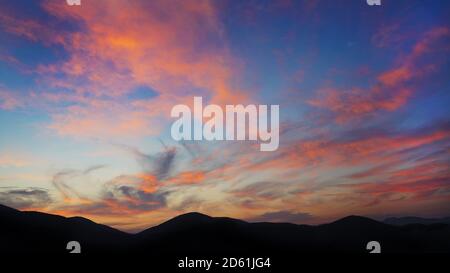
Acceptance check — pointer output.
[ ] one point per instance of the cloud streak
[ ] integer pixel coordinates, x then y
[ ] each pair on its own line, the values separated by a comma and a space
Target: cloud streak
26, 198
393, 88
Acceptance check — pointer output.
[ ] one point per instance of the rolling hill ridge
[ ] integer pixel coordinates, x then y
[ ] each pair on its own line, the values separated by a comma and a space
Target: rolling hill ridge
197, 234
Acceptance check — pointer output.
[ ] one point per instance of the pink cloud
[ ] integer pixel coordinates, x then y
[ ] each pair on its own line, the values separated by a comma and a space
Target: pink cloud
392, 89
174, 49
8, 100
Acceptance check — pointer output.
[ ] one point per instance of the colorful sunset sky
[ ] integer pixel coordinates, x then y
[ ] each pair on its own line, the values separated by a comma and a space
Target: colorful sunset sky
86, 93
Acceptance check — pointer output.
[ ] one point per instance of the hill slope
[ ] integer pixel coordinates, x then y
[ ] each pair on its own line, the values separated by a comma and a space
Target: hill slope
195, 233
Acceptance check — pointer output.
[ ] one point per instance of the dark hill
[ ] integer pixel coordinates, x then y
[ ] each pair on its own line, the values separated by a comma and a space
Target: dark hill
41, 232
195, 233
400, 221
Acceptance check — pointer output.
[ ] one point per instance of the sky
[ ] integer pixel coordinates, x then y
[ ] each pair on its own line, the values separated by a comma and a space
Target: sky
86, 93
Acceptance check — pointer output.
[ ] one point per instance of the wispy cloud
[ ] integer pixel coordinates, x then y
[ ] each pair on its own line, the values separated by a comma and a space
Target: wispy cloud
9, 100
393, 88
25, 198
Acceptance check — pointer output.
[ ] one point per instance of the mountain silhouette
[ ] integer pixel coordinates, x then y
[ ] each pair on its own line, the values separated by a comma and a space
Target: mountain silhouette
399, 221
199, 234
36, 232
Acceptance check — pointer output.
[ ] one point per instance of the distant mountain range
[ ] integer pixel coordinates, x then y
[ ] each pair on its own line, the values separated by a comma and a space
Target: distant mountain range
197, 234
400, 221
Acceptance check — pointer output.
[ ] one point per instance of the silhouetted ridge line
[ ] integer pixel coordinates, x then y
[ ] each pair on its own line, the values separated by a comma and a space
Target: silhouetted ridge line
199, 234
415, 220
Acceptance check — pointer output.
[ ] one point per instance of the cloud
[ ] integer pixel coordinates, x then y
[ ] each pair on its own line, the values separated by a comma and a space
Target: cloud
121, 196
428, 189
136, 193
348, 105
172, 49
30, 29
13, 160
187, 178
8, 100
158, 168
282, 216
135, 199
393, 88
164, 162
387, 35
27, 198
263, 189
60, 179
104, 119
159, 165
93, 168
183, 49
340, 150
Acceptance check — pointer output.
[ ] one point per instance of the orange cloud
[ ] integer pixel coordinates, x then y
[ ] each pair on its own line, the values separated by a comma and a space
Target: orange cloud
178, 50
149, 182
187, 177
395, 76
358, 102
415, 189
105, 119
331, 153
409, 68
169, 47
